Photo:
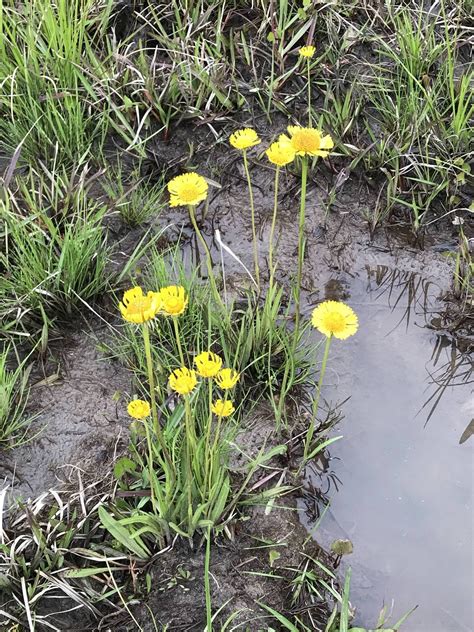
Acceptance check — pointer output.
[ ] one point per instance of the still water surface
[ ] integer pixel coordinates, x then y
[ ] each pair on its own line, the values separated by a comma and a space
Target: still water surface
400, 482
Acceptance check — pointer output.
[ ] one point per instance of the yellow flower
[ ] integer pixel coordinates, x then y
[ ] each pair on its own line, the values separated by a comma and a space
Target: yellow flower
208, 364
307, 51
333, 318
227, 378
137, 307
173, 300
138, 409
182, 380
222, 408
281, 153
187, 190
244, 138
307, 141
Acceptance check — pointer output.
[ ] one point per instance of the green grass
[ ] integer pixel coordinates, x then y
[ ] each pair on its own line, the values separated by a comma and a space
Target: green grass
135, 197
55, 251
14, 394
48, 101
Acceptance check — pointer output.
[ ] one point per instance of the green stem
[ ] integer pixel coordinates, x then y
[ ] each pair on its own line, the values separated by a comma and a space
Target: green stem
208, 437
252, 215
272, 229
310, 433
190, 447
301, 244
309, 94
151, 470
178, 339
210, 271
296, 332
154, 410
207, 586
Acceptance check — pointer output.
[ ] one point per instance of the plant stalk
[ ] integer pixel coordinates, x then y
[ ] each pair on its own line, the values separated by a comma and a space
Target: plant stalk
210, 271
310, 433
252, 216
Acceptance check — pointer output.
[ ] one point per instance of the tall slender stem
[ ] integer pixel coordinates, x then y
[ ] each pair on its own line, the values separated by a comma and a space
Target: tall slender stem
178, 339
207, 586
252, 216
154, 410
296, 332
309, 93
190, 447
208, 435
301, 244
272, 229
310, 433
210, 271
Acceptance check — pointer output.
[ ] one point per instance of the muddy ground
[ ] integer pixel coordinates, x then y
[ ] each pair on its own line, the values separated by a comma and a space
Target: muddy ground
80, 395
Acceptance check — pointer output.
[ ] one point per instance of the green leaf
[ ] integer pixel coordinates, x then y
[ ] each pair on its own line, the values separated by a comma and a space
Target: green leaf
123, 466
89, 572
120, 533
273, 556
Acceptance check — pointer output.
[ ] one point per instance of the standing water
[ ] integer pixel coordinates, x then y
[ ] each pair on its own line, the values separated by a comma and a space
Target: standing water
399, 483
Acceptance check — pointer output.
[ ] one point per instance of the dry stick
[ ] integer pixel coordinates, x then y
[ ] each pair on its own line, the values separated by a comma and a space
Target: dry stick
252, 215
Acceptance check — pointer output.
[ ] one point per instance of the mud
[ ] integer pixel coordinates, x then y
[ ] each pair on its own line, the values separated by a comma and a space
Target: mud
242, 575
80, 422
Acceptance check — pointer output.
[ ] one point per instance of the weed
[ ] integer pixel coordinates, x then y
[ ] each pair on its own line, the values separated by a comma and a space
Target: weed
136, 198
48, 100
14, 392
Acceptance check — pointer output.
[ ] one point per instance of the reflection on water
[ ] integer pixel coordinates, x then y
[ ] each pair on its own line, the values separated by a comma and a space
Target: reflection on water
399, 487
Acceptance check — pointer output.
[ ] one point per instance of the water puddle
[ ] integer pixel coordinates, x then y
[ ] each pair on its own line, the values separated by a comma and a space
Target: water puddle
399, 484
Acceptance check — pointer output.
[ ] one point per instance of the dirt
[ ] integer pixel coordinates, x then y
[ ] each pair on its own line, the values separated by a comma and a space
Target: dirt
80, 422
241, 571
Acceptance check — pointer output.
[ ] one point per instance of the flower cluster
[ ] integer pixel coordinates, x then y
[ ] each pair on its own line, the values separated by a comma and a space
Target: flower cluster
208, 366
137, 307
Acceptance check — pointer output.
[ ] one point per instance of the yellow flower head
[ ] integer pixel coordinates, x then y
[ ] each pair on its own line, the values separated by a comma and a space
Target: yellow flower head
333, 318
173, 300
187, 190
222, 408
244, 138
307, 141
137, 307
208, 364
227, 378
138, 409
307, 51
183, 380
281, 153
